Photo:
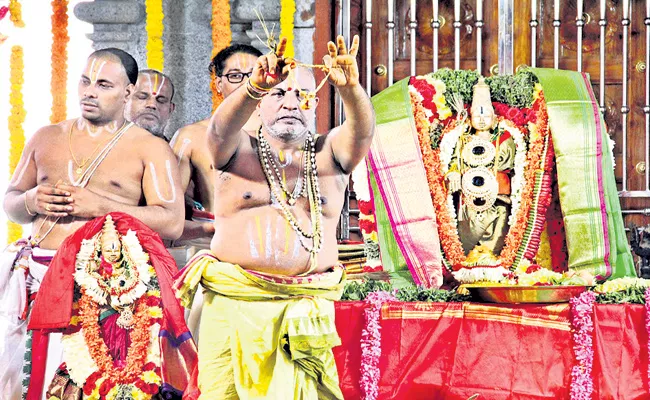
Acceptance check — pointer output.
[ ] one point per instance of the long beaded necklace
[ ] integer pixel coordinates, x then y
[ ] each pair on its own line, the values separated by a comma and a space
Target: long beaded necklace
291, 196
313, 193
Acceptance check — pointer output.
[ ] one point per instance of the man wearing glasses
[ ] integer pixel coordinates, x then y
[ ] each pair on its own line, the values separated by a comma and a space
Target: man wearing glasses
231, 68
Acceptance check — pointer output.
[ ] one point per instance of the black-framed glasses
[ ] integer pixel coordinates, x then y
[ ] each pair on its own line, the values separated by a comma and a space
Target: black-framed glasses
237, 77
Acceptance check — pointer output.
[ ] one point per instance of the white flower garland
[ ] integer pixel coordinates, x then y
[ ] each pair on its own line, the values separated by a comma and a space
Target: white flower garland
134, 255
448, 145
518, 180
473, 275
78, 360
80, 363
360, 179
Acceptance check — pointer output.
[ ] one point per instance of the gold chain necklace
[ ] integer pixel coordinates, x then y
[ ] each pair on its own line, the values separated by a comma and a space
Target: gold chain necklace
82, 164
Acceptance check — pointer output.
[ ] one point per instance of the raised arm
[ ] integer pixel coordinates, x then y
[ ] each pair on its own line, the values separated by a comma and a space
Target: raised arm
351, 141
224, 130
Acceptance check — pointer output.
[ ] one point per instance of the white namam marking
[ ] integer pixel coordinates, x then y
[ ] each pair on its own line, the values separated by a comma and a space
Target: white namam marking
99, 71
149, 81
170, 178
91, 69
181, 152
268, 243
82, 125
252, 245
70, 172
296, 246
162, 83
21, 168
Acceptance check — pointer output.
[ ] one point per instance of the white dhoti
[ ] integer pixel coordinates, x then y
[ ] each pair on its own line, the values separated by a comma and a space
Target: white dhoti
20, 277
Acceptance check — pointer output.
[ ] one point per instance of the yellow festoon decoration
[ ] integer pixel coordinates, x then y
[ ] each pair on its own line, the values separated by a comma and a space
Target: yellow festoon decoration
221, 38
155, 28
16, 13
16, 120
60, 39
287, 12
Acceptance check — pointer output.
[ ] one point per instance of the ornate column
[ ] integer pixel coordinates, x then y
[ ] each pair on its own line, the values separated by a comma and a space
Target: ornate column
188, 40
116, 23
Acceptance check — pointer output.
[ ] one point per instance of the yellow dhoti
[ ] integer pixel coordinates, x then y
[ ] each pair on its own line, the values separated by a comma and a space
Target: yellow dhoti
264, 336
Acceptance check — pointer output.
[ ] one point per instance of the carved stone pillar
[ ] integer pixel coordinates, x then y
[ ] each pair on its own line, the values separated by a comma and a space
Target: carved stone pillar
188, 40
116, 23
188, 45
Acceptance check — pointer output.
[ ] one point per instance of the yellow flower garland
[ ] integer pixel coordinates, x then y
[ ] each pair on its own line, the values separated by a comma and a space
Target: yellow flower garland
16, 13
155, 28
60, 39
221, 38
287, 12
16, 120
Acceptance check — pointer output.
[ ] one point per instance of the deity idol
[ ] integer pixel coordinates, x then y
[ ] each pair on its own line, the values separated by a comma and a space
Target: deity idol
480, 173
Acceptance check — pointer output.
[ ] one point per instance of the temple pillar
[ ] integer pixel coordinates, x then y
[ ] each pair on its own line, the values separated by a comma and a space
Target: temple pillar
188, 41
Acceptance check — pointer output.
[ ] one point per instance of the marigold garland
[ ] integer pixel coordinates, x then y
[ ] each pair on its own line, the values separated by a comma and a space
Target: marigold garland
155, 28
287, 13
221, 38
535, 161
16, 13
16, 120
60, 39
137, 355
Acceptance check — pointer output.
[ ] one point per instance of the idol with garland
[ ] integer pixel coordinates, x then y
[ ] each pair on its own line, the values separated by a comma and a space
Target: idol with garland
125, 336
479, 176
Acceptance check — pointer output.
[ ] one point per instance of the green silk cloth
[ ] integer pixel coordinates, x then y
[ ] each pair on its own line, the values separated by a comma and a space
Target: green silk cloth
406, 220
595, 233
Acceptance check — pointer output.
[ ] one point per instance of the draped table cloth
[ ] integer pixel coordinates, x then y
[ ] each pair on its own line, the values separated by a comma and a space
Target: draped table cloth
456, 350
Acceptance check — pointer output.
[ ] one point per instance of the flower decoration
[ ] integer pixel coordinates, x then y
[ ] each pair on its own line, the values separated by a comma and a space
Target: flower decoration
582, 385
367, 221
287, 12
16, 13
530, 187
371, 344
60, 39
221, 38
16, 120
155, 29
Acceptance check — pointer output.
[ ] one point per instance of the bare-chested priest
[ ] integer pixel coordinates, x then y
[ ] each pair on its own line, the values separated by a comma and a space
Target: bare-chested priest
231, 68
272, 273
77, 170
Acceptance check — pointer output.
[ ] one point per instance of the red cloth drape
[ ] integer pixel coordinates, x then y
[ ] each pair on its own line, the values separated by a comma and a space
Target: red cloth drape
53, 304
455, 350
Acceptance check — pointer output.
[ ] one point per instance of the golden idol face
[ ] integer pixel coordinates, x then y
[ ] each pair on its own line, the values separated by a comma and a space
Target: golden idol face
482, 117
112, 251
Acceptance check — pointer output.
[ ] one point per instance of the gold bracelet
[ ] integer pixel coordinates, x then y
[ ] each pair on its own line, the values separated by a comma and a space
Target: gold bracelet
27, 208
251, 95
258, 88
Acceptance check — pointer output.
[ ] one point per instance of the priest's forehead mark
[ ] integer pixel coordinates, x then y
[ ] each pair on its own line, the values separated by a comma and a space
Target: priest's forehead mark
95, 67
156, 84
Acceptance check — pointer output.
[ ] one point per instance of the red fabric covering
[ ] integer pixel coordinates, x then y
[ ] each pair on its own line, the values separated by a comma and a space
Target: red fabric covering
117, 339
53, 305
455, 350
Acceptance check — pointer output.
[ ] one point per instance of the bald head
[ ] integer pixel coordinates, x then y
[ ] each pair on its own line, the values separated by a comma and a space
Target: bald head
128, 63
106, 84
151, 106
